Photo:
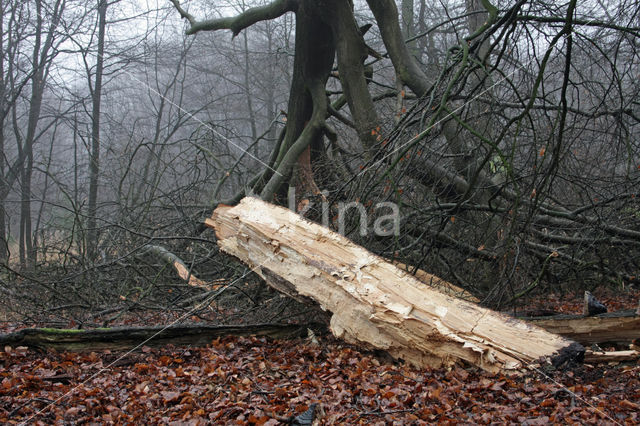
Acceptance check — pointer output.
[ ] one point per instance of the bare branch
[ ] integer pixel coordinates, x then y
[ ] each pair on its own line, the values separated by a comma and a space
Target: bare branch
183, 13
240, 22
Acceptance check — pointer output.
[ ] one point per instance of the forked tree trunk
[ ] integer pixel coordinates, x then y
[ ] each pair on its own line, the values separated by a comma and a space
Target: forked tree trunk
374, 303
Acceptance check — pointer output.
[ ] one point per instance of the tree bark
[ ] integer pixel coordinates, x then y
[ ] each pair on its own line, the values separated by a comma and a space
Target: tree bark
27, 255
307, 108
177, 264
4, 243
386, 14
374, 303
42, 46
94, 157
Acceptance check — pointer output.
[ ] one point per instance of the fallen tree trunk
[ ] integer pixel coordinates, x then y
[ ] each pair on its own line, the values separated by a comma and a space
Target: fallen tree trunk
126, 338
373, 303
614, 327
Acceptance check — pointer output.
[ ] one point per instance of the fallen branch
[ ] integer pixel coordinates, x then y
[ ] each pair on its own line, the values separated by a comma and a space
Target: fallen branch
614, 327
183, 271
125, 338
614, 356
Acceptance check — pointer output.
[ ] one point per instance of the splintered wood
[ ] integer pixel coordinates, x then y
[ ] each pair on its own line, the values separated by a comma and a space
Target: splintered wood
373, 303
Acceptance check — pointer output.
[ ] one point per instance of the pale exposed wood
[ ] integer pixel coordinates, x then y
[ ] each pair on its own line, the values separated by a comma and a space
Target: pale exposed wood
614, 356
374, 303
307, 183
617, 327
438, 283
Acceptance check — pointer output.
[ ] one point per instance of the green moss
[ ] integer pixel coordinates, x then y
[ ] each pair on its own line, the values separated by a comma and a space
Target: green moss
59, 330
68, 330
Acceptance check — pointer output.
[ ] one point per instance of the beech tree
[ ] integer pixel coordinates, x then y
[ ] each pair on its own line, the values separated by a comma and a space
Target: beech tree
483, 158
94, 163
31, 26
324, 31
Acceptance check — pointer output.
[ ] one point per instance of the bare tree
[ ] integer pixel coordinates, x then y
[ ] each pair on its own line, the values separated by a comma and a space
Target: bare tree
94, 162
42, 54
491, 194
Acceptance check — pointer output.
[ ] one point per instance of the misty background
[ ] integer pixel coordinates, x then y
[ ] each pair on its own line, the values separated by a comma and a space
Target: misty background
119, 135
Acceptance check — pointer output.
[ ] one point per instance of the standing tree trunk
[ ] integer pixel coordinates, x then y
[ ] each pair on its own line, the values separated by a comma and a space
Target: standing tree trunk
247, 88
27, 254
408, 24
14, 78
94, 160
4, 244
41, 63
324, 30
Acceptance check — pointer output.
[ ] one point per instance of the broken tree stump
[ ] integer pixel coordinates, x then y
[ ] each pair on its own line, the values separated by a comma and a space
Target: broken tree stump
592, 306
373, 303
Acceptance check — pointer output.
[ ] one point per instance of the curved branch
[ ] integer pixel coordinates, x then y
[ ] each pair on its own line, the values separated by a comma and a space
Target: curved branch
238, 23
313, 128
171, 259
386, 14
351, 52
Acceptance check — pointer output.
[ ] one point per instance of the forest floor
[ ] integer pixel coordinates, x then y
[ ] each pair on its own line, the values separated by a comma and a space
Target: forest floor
260, 381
